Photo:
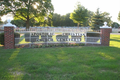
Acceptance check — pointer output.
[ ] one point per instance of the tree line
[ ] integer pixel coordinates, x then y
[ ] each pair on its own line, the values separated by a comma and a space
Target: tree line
41, 13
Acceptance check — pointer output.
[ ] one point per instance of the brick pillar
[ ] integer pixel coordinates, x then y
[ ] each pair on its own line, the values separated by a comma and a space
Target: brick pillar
9, 37
105, 36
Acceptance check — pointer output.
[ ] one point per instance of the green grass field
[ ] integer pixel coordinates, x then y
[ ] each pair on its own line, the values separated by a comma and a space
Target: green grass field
63, 63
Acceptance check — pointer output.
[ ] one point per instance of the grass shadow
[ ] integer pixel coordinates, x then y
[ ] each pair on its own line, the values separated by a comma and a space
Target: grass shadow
115, 40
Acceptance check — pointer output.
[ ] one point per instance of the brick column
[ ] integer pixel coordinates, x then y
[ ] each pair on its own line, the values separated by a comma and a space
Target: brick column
105, 34
9, 37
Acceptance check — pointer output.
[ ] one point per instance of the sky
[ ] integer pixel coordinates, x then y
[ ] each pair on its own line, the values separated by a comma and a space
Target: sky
67, 6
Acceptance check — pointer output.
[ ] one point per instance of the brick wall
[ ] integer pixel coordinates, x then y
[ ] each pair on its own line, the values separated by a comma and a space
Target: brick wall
9, 37
105, 36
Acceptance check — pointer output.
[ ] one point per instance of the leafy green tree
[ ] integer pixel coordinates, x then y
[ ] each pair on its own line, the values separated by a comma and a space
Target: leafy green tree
28, 9
63, 20
18, 23
80, 15
107, 18
90, 18
68, 21
115, 25
119, 16
97, 20
1, 21
56, 19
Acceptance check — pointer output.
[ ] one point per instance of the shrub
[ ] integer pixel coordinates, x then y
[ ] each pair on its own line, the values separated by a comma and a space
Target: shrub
93, 34
16, 35
2, 38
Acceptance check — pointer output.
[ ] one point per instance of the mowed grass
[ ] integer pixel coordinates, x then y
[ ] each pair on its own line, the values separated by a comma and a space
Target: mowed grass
63, 63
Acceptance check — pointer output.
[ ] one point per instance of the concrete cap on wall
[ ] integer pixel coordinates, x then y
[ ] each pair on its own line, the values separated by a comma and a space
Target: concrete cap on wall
105, 25
9, 24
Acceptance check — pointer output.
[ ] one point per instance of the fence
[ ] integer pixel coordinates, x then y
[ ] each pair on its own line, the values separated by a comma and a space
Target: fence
54, 35
116, 30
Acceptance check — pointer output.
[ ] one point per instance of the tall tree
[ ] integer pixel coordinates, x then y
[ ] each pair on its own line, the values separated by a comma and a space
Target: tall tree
18, 23
0, 21
115, 25
79, 15
90, 18
28, 9
119, 16
97, 20
107, 18
56, 19
62, 20
68, 21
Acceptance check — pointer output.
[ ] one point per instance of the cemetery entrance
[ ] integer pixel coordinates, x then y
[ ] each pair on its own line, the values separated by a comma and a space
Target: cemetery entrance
47, 36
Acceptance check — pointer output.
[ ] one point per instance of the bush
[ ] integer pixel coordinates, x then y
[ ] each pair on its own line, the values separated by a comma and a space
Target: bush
93, 34
16, 35
2, 38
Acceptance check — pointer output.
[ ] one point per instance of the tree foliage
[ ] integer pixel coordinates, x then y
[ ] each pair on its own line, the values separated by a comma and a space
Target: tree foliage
18, 23
62, 20
79, 15
27, 10
119, 16
107, 18
1, 21
115, 25
97, 20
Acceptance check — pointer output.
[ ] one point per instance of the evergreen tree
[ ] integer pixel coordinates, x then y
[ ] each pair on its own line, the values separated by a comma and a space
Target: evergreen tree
97, 20
115, 25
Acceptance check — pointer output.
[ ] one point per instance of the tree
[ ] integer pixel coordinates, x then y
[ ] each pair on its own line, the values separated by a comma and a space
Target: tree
79, 15
62, 20
68, 21
90, 18
28, 9
1, 21
18, 23
119, 16
107, 18
56, 19
97, 20
115, 25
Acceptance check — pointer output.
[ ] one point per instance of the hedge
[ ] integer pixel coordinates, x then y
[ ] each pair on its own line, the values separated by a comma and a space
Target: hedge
93, 34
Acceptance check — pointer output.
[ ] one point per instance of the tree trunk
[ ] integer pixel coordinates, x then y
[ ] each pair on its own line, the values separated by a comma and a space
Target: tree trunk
78, 24
27, 23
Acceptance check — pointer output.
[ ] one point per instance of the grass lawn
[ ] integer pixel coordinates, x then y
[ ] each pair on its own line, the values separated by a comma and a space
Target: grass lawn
65, 63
